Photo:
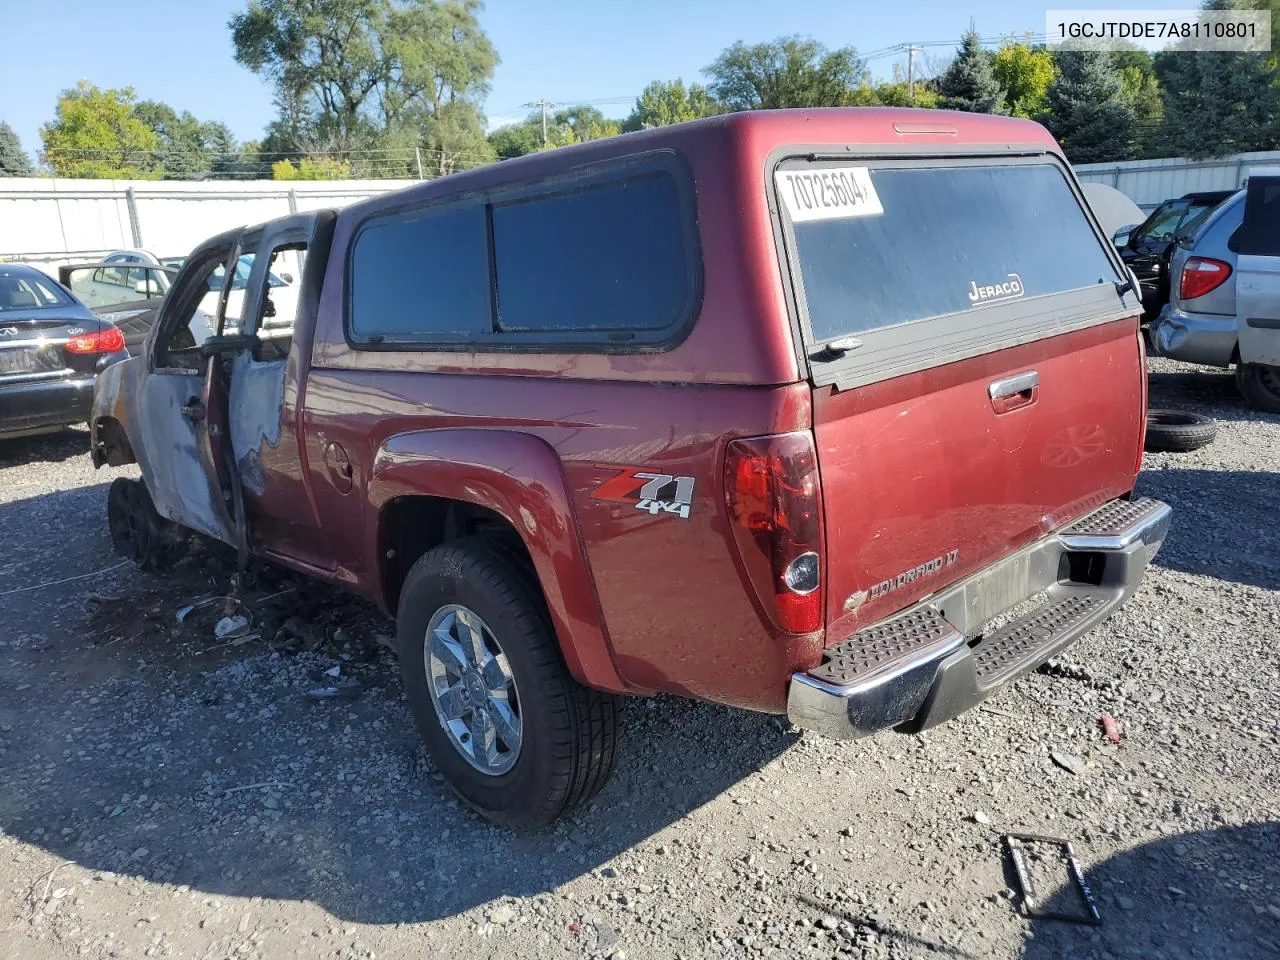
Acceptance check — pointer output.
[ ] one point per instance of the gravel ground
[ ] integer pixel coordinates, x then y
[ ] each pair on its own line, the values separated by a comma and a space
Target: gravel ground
166, 794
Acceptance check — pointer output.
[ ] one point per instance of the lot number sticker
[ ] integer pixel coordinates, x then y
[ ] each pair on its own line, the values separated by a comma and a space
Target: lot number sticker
830, 194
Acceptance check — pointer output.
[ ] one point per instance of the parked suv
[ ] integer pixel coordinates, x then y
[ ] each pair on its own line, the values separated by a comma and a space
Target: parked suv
1205, 322
675, 411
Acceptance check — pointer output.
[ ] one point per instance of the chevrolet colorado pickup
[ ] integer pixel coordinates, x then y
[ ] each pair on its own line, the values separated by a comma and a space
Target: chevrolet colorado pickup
782, 410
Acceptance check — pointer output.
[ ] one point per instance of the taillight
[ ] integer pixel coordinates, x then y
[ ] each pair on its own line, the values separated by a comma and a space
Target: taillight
1201, 275
775, 511
110, 340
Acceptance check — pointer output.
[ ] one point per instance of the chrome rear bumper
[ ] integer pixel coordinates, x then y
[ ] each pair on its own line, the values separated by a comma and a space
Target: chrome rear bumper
932, 662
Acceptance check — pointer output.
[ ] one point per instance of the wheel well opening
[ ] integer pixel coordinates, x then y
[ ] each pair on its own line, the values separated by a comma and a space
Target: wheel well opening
410, 526
111, 446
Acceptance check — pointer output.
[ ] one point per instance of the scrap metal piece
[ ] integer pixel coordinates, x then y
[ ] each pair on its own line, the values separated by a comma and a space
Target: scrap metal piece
1032, 902
341, 691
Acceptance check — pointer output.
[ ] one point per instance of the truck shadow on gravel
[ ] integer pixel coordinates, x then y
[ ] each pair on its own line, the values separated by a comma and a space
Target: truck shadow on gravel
44, 448
136, 751
1221, 523
1202, 894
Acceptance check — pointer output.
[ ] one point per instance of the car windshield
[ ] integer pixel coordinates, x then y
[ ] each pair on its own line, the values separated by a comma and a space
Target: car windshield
1162, 223
1195, 218
26, 290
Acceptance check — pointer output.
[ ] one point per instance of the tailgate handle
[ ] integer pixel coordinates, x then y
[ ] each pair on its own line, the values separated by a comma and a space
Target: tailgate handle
1010, 393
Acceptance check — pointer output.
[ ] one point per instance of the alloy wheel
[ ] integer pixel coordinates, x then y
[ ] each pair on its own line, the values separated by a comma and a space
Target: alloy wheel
472, 689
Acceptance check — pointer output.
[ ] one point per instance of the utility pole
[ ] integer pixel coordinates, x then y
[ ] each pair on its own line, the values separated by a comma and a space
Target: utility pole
912, 50
544, 106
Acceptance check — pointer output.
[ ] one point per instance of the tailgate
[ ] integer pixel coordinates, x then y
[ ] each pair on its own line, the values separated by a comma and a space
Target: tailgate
977, 373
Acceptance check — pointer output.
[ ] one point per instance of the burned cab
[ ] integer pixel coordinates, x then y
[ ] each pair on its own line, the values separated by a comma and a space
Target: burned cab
220, 340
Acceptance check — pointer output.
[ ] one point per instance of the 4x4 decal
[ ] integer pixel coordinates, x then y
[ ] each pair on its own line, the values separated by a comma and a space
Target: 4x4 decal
650, 491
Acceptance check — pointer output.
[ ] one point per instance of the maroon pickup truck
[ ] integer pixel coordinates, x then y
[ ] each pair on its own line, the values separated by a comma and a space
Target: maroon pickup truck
782, 410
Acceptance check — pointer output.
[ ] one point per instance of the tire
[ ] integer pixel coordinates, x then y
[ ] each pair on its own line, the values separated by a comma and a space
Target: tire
137, 529
568, 733
1176, 431
1260, 385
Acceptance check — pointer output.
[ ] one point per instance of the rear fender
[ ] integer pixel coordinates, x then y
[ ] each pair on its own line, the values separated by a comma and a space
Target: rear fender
109, 418
519, 477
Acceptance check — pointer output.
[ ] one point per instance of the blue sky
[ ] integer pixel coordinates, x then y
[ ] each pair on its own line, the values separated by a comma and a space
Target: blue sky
179, 51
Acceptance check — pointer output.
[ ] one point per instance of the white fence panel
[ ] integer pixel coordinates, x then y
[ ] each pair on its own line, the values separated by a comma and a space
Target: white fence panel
1148, 182
51, 221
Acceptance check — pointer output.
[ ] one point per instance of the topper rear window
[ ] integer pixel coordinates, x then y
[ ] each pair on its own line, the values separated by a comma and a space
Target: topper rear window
881, 245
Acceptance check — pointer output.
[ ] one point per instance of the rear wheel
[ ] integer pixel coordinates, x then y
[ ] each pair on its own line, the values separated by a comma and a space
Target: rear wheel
1176, 431
137, 529
511, 731
1260, 385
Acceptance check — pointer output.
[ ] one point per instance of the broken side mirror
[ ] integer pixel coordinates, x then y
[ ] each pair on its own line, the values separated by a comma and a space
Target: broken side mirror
1130, 282
228, 343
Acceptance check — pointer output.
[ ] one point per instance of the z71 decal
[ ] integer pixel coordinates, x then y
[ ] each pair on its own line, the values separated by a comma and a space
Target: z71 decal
655, 493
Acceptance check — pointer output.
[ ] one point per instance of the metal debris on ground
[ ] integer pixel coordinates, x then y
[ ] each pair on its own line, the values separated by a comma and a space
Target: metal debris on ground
1069, 762
1110, 729
229, 628
341, 691
1035, 859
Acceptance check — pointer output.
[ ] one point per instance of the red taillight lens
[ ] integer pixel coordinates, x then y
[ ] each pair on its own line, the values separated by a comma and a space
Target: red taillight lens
110, 340
775, 510
1200, 275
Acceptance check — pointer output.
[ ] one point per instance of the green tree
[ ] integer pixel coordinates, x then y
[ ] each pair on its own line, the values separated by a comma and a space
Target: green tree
970, 83
1273, 62
246, 163
787, 72
1140, 91
188, 148
1218, 103
355, 72
893, 93
662, 103
517, 139
576, 124
1086, 108
226, 158
582, 123
1024, 73
14, 161
321, 168
96, 134
454, 139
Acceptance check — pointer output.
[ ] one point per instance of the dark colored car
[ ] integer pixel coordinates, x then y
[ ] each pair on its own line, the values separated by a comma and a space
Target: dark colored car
675, 411
52, 347
1148, 247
